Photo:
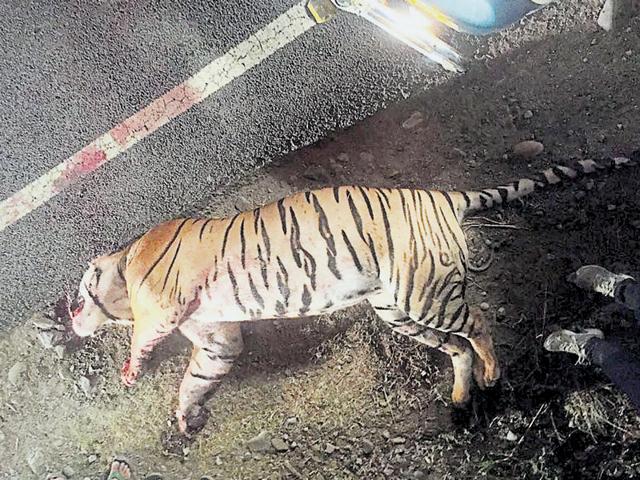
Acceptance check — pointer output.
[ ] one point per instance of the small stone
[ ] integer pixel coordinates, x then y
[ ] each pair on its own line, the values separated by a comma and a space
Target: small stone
528, 149
620, 126
635, 224
153, 476
84, 384
35, 460
218, 460
329, 449
367, 447
343, 157
92, 458
611, 207
242, 204
501, 313
511, 437
260, 443
484, 306
580, 194
42, 322
290, 421
527, 114
459, 152
394, 174
413, 121
15, 373
398, 440
419, 475
46, 339
280, 445
59, 351
68, 472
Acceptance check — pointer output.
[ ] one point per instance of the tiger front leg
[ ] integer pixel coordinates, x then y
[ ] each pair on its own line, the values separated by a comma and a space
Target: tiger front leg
213, 356
146, 335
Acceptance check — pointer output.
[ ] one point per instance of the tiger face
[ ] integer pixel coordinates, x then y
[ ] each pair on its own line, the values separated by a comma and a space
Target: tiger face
102, 298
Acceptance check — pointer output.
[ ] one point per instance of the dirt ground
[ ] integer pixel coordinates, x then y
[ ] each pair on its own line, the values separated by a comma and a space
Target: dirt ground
342, 398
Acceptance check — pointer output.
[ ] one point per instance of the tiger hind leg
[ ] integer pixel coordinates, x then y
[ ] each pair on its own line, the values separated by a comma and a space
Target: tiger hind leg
477, 331
215, 350
457, 348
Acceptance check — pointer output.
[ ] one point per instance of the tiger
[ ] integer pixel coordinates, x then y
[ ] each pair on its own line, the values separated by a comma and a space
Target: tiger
311, 253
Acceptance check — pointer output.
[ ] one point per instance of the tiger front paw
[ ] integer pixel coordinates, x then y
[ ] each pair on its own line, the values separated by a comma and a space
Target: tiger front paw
128, 374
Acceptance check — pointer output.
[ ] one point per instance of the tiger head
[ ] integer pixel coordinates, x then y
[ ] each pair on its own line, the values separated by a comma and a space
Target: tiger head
102, 296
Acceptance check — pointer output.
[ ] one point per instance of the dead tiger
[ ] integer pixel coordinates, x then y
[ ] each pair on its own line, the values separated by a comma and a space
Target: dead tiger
308, 254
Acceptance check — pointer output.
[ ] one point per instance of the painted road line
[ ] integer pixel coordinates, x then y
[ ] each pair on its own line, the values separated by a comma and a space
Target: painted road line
244, 56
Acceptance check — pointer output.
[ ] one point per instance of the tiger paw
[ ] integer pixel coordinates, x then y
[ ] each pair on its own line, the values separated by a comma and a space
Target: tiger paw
491, 375
192, 421
128, 374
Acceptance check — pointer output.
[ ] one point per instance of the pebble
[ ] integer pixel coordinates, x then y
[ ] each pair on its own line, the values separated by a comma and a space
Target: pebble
527, 114
580, 194
92, 458
484, 306
218, 460
280, 445
398, 440
413, 121
511, 437
343, 157
611, 207
528, 149
260, 443
636, 224
367, 447
290, 421
46, 339
419, 475
59, 350
153, 476
329, 449
68, 472
43, 323
459, 152
15, 373
36, 462
85, 385
501, 313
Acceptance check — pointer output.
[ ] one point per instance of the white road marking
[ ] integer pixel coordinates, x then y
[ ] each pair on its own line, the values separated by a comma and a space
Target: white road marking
244, 56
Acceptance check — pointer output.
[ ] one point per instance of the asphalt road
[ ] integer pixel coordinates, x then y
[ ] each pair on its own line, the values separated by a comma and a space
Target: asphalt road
70, 71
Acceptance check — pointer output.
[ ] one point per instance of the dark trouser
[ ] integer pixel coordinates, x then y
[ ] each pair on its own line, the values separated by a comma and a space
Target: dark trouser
617, 363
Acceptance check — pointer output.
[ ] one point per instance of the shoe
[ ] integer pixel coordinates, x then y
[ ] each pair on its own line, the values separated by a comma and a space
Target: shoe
597, 279
572, 342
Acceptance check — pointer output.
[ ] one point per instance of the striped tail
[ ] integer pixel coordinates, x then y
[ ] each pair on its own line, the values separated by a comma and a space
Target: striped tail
469, 202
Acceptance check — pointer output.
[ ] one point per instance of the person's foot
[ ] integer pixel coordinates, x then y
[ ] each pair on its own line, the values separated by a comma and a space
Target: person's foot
597, 279
571, 342
119, 471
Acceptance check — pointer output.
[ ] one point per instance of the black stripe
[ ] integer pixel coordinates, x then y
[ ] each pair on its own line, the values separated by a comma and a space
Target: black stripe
215, 268
226, 235
283, 215
306, 300
327, 236
307, 196
465, 318
283, 282
403, 201
173, 260
447, 197
384, 195
265, 239
175, 284
386, 309
443, 307
203, 227
280, 310
356, 215
255, 292
206, 377
352, 251
264, 267
256, 220
164, 252
374, 255
387, 228
516, 185
336, 194
243, 246
234, 284
467, 199
504, 194
365, 197
432, 273
436, 211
